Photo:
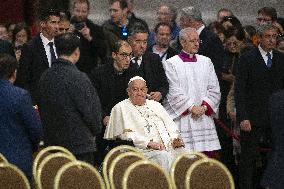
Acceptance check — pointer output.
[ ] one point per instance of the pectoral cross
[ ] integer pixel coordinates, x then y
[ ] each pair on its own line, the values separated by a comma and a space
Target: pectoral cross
148, 127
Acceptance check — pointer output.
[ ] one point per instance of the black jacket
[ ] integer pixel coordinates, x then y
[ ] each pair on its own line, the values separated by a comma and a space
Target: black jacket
254, 85
69, 107
151, 69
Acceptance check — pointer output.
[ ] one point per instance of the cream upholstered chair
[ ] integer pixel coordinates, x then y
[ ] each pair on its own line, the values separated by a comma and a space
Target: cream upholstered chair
110, 157
208, 173
146, 174
45, 152
119, 165
181, 165
48, 169
12, 177
3, 159
78, 175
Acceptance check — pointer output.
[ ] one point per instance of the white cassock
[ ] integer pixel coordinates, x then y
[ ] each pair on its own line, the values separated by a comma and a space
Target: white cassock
191, 83
143, 124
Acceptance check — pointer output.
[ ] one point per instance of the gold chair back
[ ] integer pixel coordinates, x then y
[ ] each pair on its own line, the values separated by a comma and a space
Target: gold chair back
209, 173
45, 152
181, 165
78, 175
146, 174
12, 177
48, 169
3, 159
110, 157
119, 165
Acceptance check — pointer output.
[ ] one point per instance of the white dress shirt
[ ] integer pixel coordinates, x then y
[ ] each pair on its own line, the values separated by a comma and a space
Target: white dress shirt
45, 42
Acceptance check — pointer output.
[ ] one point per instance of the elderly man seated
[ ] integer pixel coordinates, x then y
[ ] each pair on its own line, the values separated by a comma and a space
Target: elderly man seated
146, 123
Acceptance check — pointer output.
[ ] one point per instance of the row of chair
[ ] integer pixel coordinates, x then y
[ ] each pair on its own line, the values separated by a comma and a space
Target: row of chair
125, 167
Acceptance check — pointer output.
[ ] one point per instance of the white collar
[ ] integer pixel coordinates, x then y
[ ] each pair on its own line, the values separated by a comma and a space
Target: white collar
263, 53
45, 41
200, 29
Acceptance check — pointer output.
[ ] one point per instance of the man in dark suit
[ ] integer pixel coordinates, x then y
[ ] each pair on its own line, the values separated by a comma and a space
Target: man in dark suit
274, 173
260, 72
111, 80
38, 54
69, 105
210, 44
146, 64
93, 44
20, 126
162, 42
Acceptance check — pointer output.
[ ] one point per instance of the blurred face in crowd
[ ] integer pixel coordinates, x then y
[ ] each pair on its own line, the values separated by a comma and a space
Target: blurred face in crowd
164, 14
263, 18
123, 57
80, 11
138, 43
3, 33
268, 39
163, 36
186, 22
21, 37
280, 46
64, 26
117, 14
233, 44
223, 14
190, 44
137, 92
50, 27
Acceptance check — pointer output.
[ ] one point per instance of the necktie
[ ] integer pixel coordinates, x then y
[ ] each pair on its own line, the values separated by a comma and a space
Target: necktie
135, 63
269, 60
52, 53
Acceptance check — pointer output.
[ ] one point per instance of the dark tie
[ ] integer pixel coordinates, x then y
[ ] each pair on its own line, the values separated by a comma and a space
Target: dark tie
52, 53
135, 63
269, 60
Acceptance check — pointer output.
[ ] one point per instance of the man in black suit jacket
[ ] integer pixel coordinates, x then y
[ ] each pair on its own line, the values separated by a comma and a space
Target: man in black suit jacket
146, 64
37, 55
210, 44
111, 81
69, 105
260, 72
93, 43
162, 42
274, 173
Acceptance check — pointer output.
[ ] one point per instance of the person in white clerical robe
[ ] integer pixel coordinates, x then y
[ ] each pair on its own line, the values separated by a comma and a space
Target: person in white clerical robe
146, 123
194, 95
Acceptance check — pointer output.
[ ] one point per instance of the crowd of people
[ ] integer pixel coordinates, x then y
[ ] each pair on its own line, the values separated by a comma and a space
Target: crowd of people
181, 86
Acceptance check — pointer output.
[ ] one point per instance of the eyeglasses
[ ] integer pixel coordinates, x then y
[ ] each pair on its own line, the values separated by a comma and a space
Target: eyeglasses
126, 55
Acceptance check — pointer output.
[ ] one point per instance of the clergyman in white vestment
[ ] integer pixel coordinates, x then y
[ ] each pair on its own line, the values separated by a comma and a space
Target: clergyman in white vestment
146, 123
194, 95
